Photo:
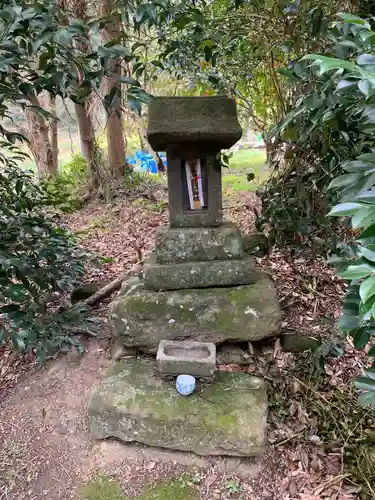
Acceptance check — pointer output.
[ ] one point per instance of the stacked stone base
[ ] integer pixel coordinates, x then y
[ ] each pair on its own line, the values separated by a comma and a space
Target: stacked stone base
198, 285
204, 274
226, 418
142, 317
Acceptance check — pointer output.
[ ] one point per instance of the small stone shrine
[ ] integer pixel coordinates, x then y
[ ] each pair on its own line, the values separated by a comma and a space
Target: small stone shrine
198, 286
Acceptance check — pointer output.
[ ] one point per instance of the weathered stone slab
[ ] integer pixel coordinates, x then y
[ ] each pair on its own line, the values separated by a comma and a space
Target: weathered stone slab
199, 274
255, 243
195, 244
132, 404
186, 120
143, 317
184, 357
297, 342
228, 354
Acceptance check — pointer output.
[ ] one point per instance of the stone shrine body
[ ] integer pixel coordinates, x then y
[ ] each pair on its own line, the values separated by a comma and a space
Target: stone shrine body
198, 286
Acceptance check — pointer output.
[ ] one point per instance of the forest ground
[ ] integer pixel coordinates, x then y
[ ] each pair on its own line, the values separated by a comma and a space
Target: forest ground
320, 444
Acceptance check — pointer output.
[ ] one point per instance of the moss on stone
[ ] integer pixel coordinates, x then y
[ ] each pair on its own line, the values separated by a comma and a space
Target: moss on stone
173, 490
196, 244
142, 318
226, 417
102, 488
216, 273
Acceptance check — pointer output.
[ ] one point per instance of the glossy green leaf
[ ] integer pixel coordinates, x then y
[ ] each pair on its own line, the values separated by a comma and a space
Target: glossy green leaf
18, 342
357, 166
361, 338
368, 252
344, 180
365, 59
364, 218
367, 399
356, 271
134, 104
140, 14
351, 18
367, 233
367, 288
345, 209
345, 85
365, 384
365, 87
367, 157
348, 322
367, 196
129, 80
327, 63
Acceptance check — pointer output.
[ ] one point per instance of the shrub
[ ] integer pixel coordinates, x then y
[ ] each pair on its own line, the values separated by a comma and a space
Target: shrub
37, 259
342, 118
309, 147
63, 191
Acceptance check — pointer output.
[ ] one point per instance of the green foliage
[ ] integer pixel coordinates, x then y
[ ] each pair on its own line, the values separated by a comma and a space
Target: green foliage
62, 191
233, 487
41, 50
39, 261
341, 110
172, 490
237, 48
311, 143
246, 170
104, 488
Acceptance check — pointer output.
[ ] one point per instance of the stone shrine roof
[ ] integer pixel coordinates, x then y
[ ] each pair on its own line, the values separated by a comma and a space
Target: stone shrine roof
188, 120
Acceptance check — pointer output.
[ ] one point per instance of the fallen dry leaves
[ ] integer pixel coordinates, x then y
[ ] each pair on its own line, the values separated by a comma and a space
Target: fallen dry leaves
303, 461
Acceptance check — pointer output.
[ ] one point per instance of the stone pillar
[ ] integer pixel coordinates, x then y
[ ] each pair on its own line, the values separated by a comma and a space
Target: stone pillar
193, 131
198, 283
198, 286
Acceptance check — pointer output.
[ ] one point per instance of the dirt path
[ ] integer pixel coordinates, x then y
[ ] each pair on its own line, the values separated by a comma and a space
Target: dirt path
46, 450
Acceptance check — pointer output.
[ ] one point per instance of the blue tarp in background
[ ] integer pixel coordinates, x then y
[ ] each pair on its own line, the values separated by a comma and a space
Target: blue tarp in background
145, 161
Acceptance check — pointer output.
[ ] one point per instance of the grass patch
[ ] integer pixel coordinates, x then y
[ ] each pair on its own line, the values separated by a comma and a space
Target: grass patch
106, 488
102, 488
248, 159
173, 490
242, 163
234, 182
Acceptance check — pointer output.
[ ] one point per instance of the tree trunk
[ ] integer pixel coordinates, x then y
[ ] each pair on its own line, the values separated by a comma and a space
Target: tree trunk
54, 132
39, 140
86, 133
115, 133
146, 146
89, 147
142, 141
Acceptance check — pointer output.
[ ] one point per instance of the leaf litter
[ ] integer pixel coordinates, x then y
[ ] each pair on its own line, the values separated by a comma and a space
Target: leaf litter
320, 443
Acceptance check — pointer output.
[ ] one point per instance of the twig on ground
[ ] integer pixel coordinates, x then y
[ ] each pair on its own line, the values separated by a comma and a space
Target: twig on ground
330, 483
110, 288
288, 439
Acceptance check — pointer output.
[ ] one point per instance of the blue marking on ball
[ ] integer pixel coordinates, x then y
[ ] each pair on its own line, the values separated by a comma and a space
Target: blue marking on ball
185, 385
